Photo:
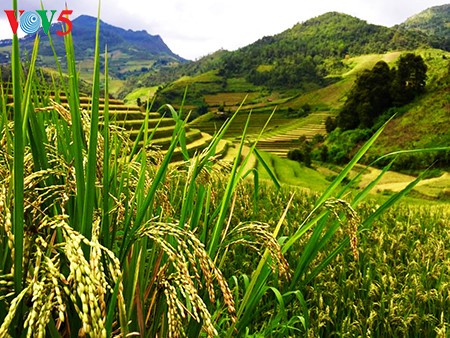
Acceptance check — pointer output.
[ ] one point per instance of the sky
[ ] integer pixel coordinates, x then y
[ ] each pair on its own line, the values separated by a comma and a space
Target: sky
196, 28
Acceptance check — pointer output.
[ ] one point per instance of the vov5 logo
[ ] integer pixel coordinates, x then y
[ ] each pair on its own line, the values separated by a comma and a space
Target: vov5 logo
31, 21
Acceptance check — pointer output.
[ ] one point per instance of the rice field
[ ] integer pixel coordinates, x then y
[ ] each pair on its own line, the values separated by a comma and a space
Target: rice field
102, 235
211, 123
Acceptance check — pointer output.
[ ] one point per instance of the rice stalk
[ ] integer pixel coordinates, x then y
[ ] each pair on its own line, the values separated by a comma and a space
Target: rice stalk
257, 236
180, 277
18, 163
338, 205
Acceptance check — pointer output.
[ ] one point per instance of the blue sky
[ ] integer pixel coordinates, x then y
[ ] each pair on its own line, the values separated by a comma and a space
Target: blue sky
196, 28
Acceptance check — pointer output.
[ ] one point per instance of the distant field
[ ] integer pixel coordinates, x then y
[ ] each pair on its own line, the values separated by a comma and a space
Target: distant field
202, 78
210, 123
360, 63
434, 190
230, 99
331, 97
142, 93
293, 173
394, 182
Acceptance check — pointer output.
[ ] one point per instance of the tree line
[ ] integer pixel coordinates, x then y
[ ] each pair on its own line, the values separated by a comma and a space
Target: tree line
378, 89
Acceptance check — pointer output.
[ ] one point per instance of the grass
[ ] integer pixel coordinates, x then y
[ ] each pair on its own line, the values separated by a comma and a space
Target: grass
397, 288
360, 63
232, 99
293, 173
144, 94
420, 126
102, 236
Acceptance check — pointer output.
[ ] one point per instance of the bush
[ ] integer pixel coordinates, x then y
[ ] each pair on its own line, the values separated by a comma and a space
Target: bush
301, 155
330, 124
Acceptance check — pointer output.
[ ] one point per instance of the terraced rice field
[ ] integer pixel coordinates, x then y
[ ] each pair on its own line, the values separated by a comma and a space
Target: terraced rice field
279, 142
129, 120
210, 124
230, 99
281, 134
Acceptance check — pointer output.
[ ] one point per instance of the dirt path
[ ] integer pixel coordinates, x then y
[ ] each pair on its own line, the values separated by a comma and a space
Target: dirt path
393, 181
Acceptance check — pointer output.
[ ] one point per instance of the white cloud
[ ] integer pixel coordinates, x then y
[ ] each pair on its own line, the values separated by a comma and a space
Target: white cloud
198, 27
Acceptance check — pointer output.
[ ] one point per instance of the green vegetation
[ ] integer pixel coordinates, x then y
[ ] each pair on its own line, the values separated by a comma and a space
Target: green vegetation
310, 51
433, 22
416, 124
380, 88
102, 235
311, 54
292, 173
141, 95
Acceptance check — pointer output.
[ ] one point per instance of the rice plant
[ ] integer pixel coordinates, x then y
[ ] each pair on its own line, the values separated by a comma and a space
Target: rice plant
104, 236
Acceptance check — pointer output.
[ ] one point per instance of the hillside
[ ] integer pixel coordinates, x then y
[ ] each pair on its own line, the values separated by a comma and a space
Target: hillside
304, 56
308, 56
435, 22
313, 49
130, 52
425, 122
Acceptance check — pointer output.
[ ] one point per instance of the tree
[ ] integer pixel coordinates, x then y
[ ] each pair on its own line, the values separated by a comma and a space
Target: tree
202, 109
303, 153
377, 90
410, 79
369, 97
330, 124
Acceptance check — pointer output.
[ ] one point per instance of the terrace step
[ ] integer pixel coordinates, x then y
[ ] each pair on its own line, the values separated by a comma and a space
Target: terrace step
164, 143
193, 147
86, 99
158, 133
137, 124
280, 143
63, 99
201, 144
112, 107
118, 116
131, 119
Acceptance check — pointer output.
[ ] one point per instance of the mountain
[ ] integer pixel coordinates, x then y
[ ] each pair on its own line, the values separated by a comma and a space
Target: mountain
307, 56
316, 47
435, 22
130, 52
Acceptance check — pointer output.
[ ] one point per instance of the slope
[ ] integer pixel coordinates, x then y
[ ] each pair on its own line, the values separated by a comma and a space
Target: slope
305, 57
435, 22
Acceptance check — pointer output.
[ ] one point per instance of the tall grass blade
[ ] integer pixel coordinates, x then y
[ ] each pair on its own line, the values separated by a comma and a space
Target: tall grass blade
272, 175
106, 162
18, 165
77, 132
89, 198
308, 223
26, 104
143, 210
217, 230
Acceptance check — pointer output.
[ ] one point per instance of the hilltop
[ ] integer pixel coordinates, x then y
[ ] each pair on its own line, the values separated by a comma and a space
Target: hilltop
435, 23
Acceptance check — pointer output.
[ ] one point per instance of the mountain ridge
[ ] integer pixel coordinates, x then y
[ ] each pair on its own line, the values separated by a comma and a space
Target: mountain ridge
307, 54
435, 22
130, 51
